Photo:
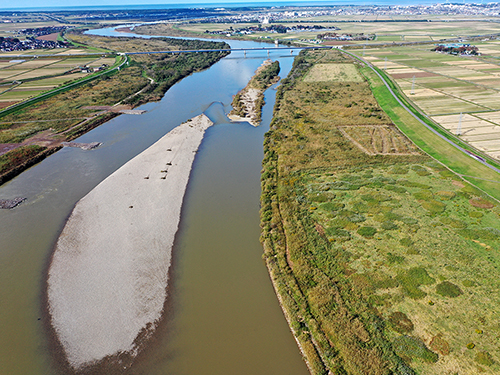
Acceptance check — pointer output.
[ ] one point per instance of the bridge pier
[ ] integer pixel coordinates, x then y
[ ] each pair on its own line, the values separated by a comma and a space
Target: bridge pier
267, 53
291, 52
245, 53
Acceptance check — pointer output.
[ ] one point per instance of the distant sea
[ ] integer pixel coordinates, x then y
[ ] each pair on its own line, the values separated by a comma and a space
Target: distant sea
228, 5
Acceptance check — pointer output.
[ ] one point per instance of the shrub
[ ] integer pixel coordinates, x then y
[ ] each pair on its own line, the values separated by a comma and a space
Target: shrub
397, 189
438, 344
433, 207
412, 279
476, 214
338, 234
392, 258
453, 223
484, 358
399, 169
332, 206
388, 225
360, 207
446, 195
409, 347
399, 322
407, 241
468, 283
367, 232
392, 216
423, 195
447, 289
481, 203
409, 220
412, 184
318, 197
488, 233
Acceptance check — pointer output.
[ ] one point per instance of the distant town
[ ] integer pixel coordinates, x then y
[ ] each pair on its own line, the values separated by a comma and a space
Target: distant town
259, 14
14, 44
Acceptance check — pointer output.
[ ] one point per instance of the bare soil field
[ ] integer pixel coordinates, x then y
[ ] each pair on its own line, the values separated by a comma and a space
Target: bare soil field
51, 37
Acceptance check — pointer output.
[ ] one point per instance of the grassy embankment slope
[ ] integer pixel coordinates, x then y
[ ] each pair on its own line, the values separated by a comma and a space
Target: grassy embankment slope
384, 261
248, 103
69, 114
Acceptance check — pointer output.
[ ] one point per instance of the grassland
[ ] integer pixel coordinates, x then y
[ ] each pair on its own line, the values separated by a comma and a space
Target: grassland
384, 263
445, 86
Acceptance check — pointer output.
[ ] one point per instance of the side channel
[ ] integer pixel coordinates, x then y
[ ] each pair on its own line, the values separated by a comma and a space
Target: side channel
222, 314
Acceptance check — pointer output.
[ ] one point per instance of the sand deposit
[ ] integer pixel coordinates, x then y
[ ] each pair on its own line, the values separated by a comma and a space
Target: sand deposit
108, 276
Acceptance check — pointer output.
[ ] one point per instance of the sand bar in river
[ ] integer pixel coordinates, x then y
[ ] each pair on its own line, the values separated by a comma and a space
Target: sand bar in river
108, 276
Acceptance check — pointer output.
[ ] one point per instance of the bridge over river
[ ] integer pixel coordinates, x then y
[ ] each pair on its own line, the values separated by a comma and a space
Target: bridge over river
245, 50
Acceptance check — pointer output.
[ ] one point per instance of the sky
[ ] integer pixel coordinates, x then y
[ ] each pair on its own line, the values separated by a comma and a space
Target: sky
4, 4
20, 4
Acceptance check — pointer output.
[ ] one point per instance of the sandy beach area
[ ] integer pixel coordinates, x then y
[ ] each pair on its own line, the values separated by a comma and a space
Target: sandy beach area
108, 276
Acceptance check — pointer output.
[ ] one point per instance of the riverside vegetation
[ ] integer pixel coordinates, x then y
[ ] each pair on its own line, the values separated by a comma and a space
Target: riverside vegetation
70, 114
248, 103
385, 262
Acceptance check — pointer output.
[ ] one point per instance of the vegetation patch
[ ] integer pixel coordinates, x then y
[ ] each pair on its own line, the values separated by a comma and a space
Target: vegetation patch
400, 322
447, 289
411, 348
481, 203
440, 345
484, 358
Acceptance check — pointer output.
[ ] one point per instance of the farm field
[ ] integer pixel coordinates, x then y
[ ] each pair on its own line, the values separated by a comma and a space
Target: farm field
461, 94
384, 259
31, 72
70, 113
439, 28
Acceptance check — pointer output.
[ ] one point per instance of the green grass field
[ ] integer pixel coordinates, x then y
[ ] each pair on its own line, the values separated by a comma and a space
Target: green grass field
383, 262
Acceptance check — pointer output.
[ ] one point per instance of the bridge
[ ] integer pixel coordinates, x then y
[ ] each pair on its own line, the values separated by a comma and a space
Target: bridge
245, 50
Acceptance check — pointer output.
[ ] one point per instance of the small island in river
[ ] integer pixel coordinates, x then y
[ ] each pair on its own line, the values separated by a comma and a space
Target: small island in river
247, 104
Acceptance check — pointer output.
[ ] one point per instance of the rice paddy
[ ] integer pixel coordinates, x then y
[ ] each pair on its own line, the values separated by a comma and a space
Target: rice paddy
460, 93
28, 77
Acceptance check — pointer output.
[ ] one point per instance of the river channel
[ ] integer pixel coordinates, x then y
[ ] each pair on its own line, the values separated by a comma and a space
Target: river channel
222, 316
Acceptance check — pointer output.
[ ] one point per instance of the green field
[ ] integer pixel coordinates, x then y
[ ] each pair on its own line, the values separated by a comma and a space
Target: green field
383, 262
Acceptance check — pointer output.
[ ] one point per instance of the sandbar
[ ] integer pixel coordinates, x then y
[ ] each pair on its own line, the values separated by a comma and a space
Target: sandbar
109, 271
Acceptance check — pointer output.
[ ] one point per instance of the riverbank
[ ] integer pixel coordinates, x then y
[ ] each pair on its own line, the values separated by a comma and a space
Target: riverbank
108, 276
70, 114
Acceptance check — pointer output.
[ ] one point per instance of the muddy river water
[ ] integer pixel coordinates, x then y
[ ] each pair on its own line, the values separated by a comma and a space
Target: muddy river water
222, 316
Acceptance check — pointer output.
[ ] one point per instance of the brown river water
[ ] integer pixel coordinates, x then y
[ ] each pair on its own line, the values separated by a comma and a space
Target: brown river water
222, 316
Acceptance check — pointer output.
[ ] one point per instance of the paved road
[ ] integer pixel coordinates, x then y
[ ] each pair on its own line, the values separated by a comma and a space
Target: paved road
420, 120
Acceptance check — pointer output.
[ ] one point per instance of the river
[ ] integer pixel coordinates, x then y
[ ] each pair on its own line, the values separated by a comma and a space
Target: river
222, 316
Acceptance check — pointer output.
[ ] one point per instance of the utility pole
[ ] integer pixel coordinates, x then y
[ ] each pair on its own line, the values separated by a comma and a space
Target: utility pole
459, 127
413, 86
